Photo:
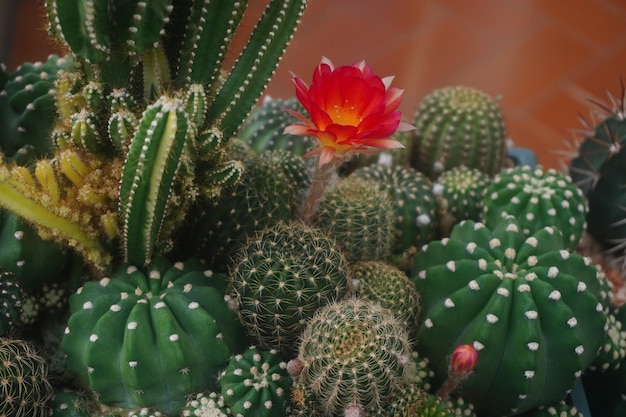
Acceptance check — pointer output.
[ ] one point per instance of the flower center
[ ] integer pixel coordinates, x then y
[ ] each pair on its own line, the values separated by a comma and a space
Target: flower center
345, 115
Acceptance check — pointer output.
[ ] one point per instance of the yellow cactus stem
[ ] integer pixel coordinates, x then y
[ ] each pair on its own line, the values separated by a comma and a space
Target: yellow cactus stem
44, 172
156, 72
73, 167
110, 225
59, 228
25, 182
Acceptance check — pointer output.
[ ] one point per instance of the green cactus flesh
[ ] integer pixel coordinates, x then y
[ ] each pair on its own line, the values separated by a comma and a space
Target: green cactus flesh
281, 277
150, 337
535, 312
256, 384
11, 297
537, 198
458, 126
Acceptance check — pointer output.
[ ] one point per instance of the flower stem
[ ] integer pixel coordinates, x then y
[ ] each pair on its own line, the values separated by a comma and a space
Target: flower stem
321, 179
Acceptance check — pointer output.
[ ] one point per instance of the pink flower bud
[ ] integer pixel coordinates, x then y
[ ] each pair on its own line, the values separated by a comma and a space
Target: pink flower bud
464, 358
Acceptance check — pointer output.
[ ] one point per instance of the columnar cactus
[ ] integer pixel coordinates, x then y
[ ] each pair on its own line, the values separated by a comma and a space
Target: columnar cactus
256, 383
354, 353
414, 205
360, 216
147, 338
537, 198
459, 193
24, 388
458, 126
535, 312
282, 276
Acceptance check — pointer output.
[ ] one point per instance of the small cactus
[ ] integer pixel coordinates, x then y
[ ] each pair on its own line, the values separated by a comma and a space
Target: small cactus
256, 383
206, 404
24, 386
535, 312
537, 198
71, 404
281, 277
458, 126
11, 297
360, 217
355, 353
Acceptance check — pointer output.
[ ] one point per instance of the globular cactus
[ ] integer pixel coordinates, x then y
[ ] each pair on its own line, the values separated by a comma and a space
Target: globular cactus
383, 283
281, 277
415, 207
206, 404
459, 193
149, 337
354, 355
537, 198
24, 388
408, 400
256, 384
360, 217
27, 109
458, 126
558, 409
613, 351
11, 297
263, 129
71, 404
535, 312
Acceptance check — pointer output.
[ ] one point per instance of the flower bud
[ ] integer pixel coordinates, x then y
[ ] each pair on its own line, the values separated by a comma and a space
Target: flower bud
464, 358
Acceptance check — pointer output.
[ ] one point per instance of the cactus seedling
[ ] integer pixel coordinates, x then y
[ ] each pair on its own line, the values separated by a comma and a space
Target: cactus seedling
535, 312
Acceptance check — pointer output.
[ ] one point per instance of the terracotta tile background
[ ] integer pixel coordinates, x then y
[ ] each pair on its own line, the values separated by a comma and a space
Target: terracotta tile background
544, 58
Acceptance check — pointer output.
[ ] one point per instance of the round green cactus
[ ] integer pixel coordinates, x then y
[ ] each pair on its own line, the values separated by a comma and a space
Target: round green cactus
385, 284
360, 216
415, 207
24, 386
537, 198
11, 297
256, 384
459, 193
558, 409
281, 277
206, 404
458, 126
354, 353
409, 400
148, 338
71, 404
535, 312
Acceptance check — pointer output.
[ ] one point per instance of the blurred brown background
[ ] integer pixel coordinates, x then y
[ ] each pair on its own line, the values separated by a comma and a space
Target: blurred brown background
545, 58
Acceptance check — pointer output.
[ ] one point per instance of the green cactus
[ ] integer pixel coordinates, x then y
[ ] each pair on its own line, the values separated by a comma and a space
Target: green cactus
459, 193
360, 217
263, 129
409, 400
281, 277
558, 409
613, 351
383, 283
206, 404
11, 297
415, 207
535, 312
24, 388
256, 383
143, 337
354, 353
537, 198
458, 126
68, 403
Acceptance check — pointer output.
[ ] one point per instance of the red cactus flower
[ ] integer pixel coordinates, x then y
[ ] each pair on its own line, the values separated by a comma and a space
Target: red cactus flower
464, 358
351, 109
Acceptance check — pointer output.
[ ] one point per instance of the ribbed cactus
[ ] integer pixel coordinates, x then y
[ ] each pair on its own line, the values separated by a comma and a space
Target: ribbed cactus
11, 297
458, 126
354, 353
534, 311
383, 283
281, 277
24, 386
360, 217
150, 337
459, 193
414, 205
256, 384
263, 129
537, 198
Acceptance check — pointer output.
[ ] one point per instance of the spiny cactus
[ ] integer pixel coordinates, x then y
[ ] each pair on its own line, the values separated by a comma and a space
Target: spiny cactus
281, 277
415, 208
459, 193
11, 296
458, 126
360, 217
206, 404
71, 404
24, 386
409, 400
383, 283
150, 337
263, 129
354, 353
256, 383
537, 198
535, 312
